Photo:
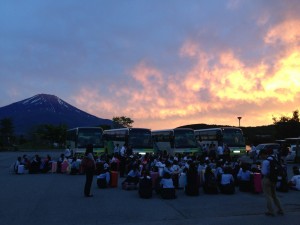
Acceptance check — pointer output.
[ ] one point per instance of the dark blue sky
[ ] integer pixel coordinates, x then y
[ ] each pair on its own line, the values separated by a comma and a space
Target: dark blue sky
164, 63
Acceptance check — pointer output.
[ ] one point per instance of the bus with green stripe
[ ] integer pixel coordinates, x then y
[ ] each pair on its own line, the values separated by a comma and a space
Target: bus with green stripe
78, 138
232, 137
138, 138
178, 140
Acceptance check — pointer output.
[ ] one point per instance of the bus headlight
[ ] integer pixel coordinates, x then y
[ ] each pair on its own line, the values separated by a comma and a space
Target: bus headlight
236, 151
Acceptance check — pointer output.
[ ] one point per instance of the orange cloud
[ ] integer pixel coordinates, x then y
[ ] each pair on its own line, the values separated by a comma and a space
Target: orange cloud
287, 32
219, 87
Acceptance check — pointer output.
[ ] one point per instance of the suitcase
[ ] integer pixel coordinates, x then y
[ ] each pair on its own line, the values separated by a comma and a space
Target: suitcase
113, 179
20, 169
64, 166
53, 167
257, 186
154, 176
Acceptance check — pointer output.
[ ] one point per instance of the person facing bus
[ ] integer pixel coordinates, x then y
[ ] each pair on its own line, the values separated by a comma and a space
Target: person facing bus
89, 167
220, 151
117, 149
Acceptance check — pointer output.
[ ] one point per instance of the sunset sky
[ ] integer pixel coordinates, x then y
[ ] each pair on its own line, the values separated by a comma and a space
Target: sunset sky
163, 63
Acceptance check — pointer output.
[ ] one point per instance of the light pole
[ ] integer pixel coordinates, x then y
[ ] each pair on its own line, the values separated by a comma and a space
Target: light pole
239, 118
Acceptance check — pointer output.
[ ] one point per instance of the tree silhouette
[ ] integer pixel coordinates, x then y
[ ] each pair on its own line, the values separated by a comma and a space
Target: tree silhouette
287, 127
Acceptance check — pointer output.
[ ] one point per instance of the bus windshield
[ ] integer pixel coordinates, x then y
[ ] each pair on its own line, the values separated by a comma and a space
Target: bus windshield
139, 138
233, 137
184, 139
89, 136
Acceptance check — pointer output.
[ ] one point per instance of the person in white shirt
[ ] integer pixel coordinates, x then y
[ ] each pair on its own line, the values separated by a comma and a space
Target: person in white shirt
67, 153
227, 182
244, 177
253, 153
220, 151
269, 187
167, 187
123, 150
294, 183
117, 149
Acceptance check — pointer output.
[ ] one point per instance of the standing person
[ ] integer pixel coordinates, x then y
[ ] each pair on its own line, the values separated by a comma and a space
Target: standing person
117, 149
220, 151
226, 153
68, 152
89, 167
122, 160
269, 187
129, 150
253, 153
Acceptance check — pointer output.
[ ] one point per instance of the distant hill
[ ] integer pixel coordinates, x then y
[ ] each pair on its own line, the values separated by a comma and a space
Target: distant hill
47, 109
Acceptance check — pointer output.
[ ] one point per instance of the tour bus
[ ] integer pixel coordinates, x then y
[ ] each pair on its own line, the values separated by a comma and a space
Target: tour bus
78, 138
138, 138
178, 140
231, 136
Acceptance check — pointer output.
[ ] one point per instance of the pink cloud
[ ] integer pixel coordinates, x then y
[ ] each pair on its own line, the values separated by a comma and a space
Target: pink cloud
217, 88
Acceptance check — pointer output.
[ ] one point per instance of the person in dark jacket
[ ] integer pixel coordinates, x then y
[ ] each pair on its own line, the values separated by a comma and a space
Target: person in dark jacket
89, 166
192, 187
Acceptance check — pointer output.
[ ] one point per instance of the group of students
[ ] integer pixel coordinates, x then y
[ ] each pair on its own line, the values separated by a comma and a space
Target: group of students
214, 176
38, 164
35, 164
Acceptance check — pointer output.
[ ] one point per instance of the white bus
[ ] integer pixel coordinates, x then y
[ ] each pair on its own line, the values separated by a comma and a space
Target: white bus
231, 136
138, 138
78, 138
178, 140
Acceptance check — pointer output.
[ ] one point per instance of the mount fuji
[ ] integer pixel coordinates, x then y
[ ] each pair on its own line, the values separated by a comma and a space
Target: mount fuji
47, 109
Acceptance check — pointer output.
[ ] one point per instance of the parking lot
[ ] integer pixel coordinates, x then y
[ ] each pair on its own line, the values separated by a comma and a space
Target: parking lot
47, 199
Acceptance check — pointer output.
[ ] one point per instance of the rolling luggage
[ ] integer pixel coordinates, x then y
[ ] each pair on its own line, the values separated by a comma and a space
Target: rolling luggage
154, 176
64, 166
257, 186
113, 179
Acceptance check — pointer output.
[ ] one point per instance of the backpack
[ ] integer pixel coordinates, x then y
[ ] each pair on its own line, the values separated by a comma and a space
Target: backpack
276, 169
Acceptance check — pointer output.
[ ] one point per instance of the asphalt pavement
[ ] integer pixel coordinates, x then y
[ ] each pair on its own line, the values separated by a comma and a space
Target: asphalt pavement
57, 199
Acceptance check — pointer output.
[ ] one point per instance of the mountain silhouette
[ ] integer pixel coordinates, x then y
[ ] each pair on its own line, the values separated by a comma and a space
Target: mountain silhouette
47, 109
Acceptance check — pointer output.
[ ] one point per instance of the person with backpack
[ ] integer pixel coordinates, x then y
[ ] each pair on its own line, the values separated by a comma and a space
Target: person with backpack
269, 172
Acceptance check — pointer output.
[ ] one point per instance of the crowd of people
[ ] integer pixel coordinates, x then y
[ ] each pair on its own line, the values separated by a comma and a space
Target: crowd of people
161, 172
